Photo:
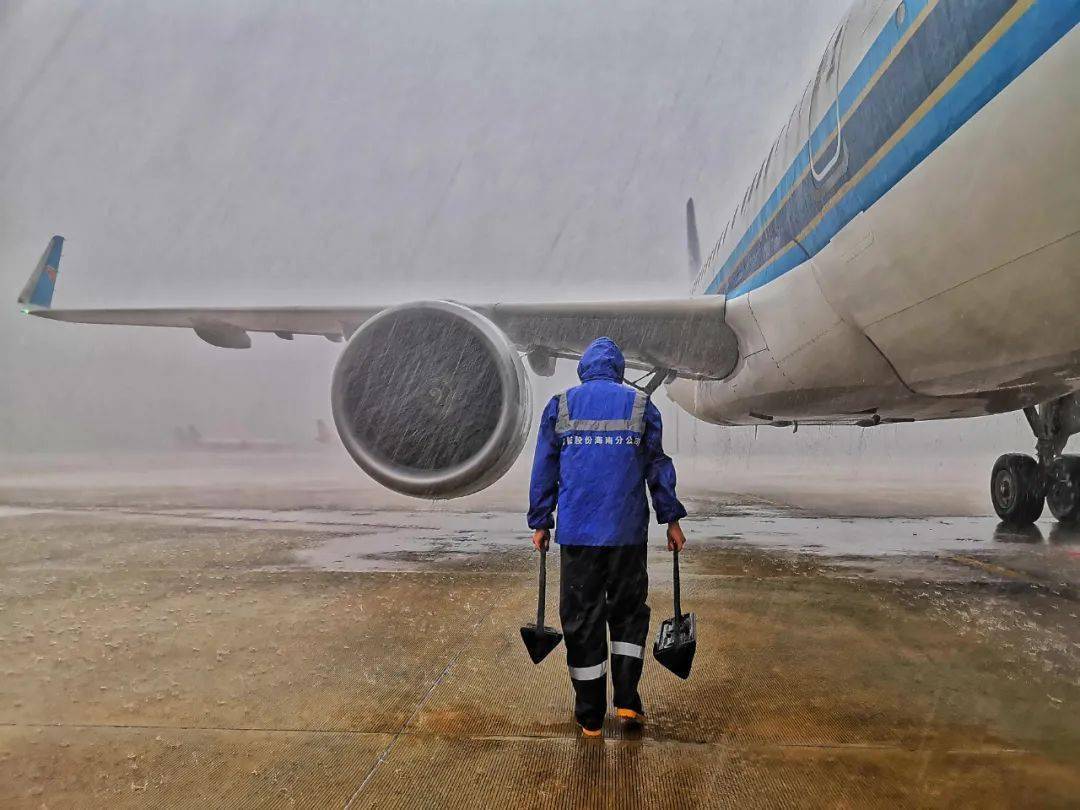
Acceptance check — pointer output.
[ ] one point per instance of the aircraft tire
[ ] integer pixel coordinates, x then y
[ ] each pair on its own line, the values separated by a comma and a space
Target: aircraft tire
1063, 490
1017, 489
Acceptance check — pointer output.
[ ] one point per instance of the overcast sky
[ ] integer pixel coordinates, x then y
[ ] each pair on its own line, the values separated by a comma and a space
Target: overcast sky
246, 153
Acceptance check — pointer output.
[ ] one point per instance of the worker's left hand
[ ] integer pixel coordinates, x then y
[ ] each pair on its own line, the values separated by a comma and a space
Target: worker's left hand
675, 537
542, 539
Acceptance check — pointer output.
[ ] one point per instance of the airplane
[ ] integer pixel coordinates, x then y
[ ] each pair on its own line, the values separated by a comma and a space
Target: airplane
908, 250
191, 438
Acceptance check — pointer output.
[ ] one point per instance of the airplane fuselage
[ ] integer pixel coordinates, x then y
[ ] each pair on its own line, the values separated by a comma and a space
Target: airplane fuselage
924, 261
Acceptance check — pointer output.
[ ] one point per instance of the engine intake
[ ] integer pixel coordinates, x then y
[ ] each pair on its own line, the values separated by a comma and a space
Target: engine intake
431, 399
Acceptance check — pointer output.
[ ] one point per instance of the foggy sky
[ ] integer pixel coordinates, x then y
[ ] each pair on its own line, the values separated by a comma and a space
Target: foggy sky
257, 153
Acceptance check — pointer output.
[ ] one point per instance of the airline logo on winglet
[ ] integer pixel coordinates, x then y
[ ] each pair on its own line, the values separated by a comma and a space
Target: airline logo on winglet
38, 292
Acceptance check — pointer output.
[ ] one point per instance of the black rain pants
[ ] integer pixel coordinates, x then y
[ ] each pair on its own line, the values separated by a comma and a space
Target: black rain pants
604, 588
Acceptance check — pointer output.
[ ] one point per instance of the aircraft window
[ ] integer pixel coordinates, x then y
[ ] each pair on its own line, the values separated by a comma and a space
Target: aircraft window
825, 151
901, 13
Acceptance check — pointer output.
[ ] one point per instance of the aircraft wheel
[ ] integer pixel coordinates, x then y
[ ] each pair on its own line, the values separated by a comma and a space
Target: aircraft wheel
1063, 490
1017, 490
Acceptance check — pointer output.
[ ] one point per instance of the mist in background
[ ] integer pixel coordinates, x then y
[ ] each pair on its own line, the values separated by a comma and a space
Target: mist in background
256, 153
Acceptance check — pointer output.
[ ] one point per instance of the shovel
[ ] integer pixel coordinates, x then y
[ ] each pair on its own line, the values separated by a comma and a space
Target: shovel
676, 642
540, 640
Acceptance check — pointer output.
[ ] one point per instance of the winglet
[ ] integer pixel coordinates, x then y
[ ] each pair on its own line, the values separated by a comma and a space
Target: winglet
693, 246
38, 292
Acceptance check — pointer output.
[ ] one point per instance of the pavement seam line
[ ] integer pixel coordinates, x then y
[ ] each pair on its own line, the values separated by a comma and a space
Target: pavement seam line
385, 753
752, 746
404, 732
154, 727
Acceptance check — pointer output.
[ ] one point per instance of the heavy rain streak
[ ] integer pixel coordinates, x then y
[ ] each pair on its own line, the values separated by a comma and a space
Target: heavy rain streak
424, 404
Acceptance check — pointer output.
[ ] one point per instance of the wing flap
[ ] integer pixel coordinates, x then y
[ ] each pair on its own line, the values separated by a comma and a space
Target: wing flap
685, 335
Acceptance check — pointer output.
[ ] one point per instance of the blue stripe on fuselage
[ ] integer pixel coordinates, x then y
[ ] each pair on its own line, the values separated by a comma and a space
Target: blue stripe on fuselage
886, 41
944, 37
1032, 34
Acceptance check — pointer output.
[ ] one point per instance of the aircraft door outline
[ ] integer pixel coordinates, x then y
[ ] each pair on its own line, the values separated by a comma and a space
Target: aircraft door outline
828, 69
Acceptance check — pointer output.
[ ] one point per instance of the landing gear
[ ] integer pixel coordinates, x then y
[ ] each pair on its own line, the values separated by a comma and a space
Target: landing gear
1017, 489
1019, 484
1063, 488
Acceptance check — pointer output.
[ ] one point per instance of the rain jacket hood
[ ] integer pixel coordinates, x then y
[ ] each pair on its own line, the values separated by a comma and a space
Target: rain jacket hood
602, 360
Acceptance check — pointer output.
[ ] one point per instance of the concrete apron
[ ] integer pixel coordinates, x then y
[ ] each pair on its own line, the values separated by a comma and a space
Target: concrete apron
150, 661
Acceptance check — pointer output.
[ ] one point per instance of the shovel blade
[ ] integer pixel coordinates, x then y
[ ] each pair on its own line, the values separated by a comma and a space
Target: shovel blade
676, 643
540, 641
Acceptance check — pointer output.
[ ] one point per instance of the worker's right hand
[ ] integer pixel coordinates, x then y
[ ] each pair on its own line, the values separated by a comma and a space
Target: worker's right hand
675, 537
542, 539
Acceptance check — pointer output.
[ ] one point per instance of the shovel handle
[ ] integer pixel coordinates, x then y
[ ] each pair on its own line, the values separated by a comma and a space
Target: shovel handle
678, 601
543, 589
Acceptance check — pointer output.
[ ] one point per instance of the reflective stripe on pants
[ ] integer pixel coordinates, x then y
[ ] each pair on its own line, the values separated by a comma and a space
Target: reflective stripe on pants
589, 673
627, 649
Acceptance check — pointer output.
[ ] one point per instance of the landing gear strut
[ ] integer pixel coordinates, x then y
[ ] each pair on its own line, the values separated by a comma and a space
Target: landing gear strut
1019, 485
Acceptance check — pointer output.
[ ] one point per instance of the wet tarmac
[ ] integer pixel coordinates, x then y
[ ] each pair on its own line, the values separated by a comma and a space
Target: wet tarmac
175, 643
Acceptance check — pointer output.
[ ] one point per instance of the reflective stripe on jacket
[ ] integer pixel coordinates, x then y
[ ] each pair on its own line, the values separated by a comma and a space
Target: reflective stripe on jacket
599, 444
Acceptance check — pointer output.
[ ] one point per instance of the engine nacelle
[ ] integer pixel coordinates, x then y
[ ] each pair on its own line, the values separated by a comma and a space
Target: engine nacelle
431, 399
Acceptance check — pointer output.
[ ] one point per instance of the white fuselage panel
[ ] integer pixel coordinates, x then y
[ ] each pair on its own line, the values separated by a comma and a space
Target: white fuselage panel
954, 294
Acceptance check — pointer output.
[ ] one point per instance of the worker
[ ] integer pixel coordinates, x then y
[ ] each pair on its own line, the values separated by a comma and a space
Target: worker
599, 445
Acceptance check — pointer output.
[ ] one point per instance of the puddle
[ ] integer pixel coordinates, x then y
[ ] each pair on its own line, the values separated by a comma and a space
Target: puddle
403, 540
20, 511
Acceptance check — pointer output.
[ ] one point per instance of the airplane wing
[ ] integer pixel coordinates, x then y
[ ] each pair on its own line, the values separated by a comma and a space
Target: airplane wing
686, 337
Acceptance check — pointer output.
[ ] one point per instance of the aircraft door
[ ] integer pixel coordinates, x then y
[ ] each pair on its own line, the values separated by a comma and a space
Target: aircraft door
825, 143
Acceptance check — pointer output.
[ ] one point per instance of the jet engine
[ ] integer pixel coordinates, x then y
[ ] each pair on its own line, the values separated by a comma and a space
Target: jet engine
431, 399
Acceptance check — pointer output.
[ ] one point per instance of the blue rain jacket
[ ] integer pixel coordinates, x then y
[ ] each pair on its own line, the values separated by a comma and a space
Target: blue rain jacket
594, 459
